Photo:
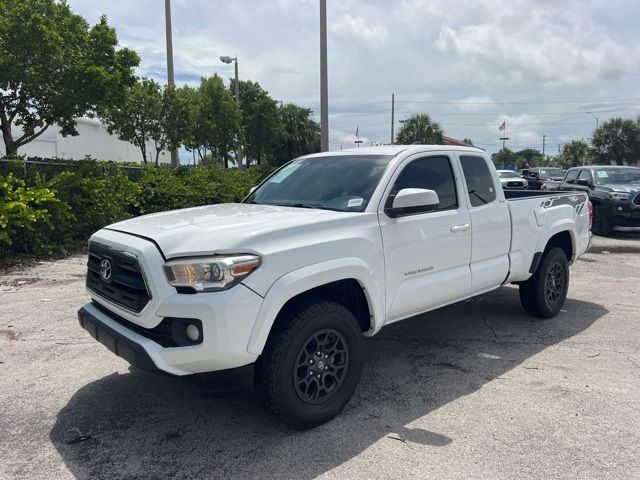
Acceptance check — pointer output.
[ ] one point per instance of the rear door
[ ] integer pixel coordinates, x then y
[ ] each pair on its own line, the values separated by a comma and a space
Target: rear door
490, 224
426, 254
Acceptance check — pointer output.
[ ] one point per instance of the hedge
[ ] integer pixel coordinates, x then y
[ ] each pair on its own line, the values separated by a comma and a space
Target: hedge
45, 214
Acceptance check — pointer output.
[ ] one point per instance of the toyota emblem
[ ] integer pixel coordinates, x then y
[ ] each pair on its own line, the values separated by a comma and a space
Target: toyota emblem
105, 269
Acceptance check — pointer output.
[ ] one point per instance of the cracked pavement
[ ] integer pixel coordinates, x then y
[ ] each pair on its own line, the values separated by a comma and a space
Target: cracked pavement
474, 390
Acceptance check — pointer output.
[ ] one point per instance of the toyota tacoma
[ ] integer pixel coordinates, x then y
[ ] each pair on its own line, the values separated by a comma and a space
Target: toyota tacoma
327, 250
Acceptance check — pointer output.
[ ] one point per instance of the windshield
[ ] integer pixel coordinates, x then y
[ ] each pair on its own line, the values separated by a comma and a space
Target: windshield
552, 173
344, 183
503, 174
620, 176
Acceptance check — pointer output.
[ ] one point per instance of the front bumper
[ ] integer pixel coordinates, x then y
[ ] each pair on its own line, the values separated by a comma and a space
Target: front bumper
624, 215
227, 321
120, 344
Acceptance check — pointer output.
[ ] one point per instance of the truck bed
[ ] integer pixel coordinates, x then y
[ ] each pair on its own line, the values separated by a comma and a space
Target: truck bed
538, 214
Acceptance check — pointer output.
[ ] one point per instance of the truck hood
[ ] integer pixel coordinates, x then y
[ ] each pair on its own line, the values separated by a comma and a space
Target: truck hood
222, 228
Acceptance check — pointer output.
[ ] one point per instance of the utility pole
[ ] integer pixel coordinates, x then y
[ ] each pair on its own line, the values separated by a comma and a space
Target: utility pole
170, 78
544, 138
324, 94
393, 111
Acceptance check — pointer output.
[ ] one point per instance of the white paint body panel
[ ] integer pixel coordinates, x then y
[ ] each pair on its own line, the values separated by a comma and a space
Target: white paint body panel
405, 265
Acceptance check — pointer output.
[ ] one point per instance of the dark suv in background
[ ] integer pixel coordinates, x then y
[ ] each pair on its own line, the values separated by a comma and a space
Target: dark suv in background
614, 192
536, 177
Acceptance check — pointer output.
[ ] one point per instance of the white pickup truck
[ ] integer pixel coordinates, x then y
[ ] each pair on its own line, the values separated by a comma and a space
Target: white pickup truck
328, 249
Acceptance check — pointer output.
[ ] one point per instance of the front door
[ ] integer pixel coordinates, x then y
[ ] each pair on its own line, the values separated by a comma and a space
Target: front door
427, 255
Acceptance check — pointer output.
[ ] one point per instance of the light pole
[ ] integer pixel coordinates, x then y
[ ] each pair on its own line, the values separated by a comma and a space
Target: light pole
170, 79
324, 95
596, 119
228, 60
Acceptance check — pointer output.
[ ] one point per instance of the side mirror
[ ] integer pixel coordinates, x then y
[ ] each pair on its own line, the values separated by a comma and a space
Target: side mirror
252, 189
410, 201
584, 183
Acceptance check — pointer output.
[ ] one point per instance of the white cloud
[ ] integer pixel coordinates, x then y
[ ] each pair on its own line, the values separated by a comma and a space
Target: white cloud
553, 43
367, 31
476, 103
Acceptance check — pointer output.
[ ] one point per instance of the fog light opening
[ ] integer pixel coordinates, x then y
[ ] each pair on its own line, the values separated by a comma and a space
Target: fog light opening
193, 333
186, 331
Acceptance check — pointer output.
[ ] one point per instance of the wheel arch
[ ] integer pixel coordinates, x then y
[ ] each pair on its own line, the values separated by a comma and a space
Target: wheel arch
561, 238
346, 281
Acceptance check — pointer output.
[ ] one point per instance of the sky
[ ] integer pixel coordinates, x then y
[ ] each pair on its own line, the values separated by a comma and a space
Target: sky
545, 67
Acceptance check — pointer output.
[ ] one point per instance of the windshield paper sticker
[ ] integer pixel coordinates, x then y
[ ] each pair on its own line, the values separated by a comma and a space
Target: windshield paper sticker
285, 172
602, 173
355, 202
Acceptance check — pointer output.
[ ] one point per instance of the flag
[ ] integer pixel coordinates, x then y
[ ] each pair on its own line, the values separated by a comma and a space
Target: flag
503, 126
357, 134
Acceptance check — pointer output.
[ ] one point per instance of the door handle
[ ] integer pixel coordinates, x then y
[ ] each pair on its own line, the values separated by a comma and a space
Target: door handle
460, 228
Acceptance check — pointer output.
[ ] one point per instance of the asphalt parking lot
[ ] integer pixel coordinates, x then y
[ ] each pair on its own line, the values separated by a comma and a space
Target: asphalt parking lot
475, 390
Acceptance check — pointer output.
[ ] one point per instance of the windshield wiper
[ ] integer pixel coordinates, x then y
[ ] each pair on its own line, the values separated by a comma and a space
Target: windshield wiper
302, 205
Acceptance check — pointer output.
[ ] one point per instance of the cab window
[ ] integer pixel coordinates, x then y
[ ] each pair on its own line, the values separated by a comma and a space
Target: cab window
432, 173
479, 180
584, 175
572, 176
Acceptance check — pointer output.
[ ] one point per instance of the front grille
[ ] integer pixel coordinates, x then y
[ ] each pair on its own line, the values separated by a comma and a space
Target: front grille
514, 184
125, 285
636, 199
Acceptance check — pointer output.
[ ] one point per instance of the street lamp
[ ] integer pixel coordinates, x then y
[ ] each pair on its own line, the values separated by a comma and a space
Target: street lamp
228, 60
595, 117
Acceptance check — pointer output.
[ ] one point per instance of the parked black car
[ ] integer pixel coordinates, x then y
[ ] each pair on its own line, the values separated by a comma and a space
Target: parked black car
614, 192
539, 175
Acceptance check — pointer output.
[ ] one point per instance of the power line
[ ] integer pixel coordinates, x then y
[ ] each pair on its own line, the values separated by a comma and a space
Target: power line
568, 102
493, 114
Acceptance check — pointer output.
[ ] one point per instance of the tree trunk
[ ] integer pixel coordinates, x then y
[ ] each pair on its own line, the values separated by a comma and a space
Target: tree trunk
10, 147
143, 149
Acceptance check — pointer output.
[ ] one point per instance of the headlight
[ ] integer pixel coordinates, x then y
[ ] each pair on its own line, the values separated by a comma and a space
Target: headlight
618, 196
524, 182
210, 274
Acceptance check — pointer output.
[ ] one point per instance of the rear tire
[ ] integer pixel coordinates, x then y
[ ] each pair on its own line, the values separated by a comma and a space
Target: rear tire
544, 294
601, 223
311, 364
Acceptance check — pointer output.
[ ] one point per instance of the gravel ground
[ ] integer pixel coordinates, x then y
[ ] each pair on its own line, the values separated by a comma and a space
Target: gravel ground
475, 390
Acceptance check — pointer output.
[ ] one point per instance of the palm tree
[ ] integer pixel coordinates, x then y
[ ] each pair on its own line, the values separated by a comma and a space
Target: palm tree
420, 128
576, 152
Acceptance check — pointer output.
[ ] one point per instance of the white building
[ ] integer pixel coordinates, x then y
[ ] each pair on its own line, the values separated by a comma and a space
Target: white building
92, 140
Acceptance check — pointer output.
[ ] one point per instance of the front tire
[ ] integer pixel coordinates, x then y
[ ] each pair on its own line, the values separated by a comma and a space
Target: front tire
601, 223
311, 364
544, 294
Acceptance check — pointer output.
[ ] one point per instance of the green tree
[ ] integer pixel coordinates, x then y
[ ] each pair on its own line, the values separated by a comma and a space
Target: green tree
617, 141
420, 128
260, 119
54, 67
468, 141
217, 120
298, 134
149, 113
504, 157
575, 152
529, 157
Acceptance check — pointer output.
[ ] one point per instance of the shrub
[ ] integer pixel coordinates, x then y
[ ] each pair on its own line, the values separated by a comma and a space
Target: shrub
50, 211
30, 217
95, 202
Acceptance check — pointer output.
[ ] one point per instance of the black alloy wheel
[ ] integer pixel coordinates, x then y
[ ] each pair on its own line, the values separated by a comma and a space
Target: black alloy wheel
321, 366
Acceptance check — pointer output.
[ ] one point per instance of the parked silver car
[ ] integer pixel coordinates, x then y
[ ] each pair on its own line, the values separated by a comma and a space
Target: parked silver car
510, 180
